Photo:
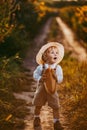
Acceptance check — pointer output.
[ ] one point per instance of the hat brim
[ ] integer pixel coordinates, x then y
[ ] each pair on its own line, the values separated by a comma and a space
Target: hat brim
45, 47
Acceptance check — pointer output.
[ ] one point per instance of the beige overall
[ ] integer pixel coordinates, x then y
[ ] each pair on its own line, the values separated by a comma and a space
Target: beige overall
42, 96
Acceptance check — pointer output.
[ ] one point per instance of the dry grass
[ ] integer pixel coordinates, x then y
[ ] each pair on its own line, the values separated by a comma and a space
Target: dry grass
73, 90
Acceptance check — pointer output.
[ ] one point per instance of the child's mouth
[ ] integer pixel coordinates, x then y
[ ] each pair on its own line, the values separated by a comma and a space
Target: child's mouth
55, 58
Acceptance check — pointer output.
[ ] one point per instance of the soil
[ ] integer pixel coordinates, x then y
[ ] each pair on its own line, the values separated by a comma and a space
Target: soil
70, 42
30, 64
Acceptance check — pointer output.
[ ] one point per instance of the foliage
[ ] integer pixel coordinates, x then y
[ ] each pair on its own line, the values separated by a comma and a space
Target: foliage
5, 29
75, 91
76, 17
9, 70
72, 92
19, 23
66, 3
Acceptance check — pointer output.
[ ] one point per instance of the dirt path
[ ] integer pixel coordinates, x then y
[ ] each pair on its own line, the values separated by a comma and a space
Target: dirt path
70, 43
29, 61
30, 64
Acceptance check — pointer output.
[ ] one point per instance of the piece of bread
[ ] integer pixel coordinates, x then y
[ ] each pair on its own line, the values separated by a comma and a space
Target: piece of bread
50, 83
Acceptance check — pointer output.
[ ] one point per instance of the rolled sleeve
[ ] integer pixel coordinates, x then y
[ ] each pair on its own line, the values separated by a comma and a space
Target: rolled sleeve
37, 73
59, 74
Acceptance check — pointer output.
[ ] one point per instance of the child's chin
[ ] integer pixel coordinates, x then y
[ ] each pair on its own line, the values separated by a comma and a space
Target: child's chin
54, 62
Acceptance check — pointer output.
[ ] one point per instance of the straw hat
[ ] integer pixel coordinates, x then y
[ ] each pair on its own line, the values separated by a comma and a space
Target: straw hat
45, 47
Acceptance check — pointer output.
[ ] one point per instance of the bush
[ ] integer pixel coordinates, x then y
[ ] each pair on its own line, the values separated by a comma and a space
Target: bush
75, 17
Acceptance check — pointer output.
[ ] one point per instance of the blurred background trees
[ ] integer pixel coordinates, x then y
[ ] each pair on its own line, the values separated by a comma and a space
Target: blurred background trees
21, 19
20, 22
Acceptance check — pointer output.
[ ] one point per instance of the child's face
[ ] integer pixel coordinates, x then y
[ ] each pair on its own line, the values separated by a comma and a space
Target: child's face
51, 55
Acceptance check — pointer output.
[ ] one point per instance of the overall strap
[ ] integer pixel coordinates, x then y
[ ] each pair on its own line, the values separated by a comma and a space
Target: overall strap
43, 68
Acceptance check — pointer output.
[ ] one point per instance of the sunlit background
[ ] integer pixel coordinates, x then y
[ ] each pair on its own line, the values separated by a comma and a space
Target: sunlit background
25, 25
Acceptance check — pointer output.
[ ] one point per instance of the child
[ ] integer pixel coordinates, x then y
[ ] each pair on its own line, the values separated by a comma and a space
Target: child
48, 58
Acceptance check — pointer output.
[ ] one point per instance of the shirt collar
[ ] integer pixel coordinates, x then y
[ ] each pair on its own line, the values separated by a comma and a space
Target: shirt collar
52, 66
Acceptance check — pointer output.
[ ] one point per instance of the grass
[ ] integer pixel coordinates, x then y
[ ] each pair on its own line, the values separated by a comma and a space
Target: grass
12, 111
73, 90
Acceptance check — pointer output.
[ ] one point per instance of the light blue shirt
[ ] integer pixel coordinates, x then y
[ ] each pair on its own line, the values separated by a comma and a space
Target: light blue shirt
38, 71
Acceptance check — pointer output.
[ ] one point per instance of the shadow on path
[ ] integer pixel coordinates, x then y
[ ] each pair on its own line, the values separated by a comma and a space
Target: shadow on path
30, 64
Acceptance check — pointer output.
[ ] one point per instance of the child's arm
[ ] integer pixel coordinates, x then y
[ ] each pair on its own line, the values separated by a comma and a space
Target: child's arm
59, 74
37, 73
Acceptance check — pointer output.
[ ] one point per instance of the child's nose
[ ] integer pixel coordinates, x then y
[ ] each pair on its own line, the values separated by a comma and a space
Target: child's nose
55, 54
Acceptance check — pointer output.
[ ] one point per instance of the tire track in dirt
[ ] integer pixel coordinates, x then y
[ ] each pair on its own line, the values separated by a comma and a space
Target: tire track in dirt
29, 61
46, 112
30, 64
70, 43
